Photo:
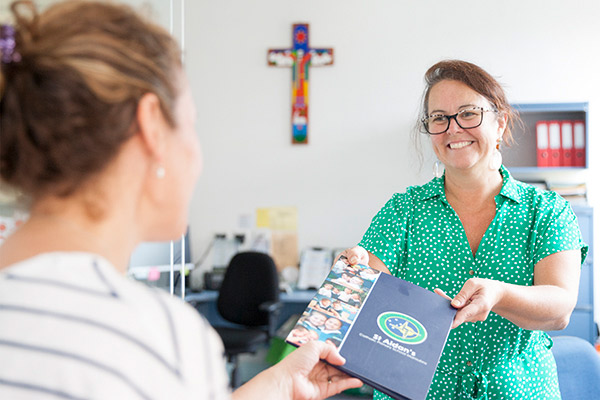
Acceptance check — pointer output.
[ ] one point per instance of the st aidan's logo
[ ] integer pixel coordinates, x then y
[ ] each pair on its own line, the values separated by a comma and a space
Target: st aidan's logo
402, 327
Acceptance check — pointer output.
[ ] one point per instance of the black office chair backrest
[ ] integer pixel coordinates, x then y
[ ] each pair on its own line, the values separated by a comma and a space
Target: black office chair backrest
250, 280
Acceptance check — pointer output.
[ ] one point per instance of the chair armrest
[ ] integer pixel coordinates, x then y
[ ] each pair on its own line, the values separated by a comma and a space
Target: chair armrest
204, 297
273, 308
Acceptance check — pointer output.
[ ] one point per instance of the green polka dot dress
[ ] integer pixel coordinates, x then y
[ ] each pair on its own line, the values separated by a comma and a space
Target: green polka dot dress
420, 238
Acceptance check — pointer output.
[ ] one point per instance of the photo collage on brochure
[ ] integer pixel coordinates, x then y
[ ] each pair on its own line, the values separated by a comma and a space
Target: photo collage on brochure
331, 312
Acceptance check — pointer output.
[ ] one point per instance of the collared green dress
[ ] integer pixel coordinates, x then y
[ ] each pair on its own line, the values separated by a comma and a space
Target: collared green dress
420, 238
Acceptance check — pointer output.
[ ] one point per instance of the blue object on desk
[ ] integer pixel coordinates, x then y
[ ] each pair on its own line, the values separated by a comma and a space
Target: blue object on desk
578, 366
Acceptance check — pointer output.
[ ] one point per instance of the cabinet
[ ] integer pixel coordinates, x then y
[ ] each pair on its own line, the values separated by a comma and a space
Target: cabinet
522, 156
582, 320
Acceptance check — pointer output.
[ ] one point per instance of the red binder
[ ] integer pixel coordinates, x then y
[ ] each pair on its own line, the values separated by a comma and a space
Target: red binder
541, 129
566, 141
554, 143
579, 143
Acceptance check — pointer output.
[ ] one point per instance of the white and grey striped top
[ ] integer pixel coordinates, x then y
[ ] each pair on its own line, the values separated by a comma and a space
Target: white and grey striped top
72, 327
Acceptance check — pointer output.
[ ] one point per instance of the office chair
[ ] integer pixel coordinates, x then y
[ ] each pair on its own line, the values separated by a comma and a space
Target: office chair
578, 366
249, 298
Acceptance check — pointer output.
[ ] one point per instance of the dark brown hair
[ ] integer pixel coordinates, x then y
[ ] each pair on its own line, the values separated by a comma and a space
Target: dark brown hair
70, 102
478, 80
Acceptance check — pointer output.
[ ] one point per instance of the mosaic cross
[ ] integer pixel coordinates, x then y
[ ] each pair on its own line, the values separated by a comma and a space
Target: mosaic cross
300, 57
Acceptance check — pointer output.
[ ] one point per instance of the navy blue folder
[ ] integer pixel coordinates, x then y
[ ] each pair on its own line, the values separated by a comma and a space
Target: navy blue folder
390, 331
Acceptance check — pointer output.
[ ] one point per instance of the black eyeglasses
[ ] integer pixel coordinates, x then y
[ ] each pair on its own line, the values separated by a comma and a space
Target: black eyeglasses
468, 118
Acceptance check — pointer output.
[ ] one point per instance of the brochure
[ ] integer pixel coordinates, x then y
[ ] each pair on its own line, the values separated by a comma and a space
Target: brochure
390, 331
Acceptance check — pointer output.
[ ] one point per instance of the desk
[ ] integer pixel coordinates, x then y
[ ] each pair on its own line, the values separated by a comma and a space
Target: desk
206, 303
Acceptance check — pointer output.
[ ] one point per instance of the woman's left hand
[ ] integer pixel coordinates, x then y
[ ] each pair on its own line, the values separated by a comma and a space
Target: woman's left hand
475, 300
547, 304
312, 378
300, 376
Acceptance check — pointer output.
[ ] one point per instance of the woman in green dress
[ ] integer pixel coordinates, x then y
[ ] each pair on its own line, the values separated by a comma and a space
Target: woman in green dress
506, 254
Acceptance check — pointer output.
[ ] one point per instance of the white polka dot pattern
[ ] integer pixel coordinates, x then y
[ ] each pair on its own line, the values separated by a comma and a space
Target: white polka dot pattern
420, 238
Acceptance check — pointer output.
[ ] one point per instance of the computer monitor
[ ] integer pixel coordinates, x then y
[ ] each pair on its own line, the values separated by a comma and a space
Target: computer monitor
150, 262
149, 254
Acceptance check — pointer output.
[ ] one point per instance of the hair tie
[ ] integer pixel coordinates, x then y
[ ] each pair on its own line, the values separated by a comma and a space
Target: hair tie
8, 44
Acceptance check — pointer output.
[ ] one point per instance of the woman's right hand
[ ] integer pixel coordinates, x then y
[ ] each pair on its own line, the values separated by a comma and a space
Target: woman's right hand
359, 255
355, 255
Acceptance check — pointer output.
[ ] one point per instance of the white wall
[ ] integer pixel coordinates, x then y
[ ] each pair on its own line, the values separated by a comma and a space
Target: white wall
363, 107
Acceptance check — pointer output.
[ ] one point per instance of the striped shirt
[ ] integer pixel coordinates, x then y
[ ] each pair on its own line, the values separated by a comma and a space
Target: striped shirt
72, 327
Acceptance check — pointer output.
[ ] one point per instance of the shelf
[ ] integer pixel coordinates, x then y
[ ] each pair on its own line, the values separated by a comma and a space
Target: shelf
522, 156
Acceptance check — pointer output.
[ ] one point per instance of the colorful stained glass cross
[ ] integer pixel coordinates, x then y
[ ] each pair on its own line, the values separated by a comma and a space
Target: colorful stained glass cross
300, 58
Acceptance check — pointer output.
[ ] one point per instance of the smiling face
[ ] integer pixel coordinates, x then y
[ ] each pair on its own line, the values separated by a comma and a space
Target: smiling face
458, 148
333, 324
317, 319
299, 333
325, 302
356, 280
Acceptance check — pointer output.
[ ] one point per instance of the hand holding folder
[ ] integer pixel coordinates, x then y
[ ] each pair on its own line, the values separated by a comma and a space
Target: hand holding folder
392, 334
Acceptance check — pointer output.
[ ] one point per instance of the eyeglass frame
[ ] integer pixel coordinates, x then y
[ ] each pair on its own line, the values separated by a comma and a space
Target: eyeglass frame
454, 116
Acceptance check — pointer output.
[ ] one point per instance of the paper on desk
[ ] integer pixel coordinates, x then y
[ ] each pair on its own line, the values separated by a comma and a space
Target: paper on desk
314, 267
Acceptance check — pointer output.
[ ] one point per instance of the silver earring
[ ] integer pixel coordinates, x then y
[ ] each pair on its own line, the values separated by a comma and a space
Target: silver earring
496, 160
438, 169
160, 172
